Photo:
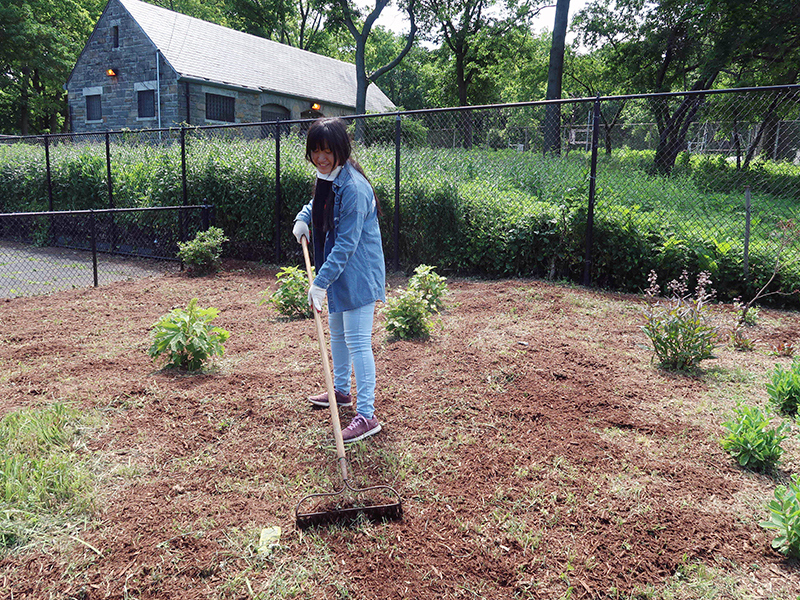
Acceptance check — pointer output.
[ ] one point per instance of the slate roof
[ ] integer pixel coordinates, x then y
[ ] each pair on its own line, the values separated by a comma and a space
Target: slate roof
205, 51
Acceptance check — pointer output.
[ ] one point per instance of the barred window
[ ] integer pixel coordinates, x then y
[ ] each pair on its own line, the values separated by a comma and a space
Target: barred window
94, 108
220, 108
147, 103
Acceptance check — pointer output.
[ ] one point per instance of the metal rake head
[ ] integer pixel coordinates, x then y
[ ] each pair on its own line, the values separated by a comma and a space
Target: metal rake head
392, 511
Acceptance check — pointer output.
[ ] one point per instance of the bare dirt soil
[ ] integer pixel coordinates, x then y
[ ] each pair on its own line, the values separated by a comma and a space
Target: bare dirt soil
539, 451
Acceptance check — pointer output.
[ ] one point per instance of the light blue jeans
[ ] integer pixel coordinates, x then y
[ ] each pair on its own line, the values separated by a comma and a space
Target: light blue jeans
351, 350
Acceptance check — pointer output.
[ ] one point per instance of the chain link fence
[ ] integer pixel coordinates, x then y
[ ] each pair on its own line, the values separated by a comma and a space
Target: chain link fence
594, 190
41, 252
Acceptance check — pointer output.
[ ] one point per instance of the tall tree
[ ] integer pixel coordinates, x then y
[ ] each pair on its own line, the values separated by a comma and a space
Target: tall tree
555, 73
689, 44
296, 23
39, 43
473, 31
352, 20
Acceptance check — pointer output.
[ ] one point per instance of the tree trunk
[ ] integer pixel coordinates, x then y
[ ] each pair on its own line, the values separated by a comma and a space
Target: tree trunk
672, 129
552, 112
466, 116
24, 102
769, 122
361, 85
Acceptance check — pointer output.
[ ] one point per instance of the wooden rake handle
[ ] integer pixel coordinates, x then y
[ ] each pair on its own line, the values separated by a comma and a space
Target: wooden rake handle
332, 404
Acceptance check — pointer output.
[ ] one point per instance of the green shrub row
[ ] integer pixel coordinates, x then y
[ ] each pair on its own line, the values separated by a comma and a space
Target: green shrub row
493, 213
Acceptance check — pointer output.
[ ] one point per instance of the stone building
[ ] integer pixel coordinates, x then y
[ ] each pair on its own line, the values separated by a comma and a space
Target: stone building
148, 67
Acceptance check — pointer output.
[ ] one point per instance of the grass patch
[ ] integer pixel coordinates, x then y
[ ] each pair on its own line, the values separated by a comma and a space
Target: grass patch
45, 479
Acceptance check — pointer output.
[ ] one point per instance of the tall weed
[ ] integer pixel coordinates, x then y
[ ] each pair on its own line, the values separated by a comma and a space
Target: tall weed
679, 327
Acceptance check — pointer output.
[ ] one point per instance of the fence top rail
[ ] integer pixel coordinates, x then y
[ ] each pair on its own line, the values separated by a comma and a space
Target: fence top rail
102, 211
398, 114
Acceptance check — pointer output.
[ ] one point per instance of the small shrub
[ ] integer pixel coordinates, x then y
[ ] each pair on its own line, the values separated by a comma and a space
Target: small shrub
408, 316
291, 297
741, 341
186, 338
783, 349
431, 285
201, 255
750, 440
785, 518
679, 327
746, 315
784, 389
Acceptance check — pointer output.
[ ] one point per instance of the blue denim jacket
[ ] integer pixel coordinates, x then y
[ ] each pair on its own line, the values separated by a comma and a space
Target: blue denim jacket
353, 269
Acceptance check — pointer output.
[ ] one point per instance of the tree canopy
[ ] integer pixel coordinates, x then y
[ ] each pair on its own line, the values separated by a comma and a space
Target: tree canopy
465, 52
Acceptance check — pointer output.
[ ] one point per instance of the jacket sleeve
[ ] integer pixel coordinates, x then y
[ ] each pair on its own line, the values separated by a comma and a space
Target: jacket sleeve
352, 213
305, 213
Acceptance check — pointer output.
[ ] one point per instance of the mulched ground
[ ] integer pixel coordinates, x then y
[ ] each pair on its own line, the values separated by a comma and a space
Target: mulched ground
538, 450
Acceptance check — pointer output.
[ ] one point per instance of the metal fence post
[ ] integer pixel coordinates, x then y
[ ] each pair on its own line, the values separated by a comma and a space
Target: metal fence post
587, 263
94, 245
52, 233
183, 166
396, 230
110, 185
746, 258
49, 176
278, 199
108, 171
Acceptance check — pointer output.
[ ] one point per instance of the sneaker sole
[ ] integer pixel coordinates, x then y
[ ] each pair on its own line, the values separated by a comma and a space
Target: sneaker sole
324, 404
366, 434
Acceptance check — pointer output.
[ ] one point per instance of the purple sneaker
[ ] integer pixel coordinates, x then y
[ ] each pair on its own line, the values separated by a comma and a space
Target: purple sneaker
342, 400
360, 428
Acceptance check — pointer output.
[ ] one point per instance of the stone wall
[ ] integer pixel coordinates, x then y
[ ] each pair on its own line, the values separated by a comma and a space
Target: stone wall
134, 62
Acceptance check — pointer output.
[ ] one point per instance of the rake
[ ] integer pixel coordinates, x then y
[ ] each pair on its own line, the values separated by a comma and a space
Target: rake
334, 510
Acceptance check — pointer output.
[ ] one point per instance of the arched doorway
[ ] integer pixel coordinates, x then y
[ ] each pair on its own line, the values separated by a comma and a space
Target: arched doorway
274, 112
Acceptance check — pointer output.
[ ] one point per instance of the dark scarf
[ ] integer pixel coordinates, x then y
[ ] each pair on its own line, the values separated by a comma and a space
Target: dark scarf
322, 208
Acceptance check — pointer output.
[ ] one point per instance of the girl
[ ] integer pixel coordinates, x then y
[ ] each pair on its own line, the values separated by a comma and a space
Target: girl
350, 270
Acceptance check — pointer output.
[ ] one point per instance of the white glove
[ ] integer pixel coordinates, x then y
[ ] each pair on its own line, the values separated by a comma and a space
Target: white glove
316, 295
300, 229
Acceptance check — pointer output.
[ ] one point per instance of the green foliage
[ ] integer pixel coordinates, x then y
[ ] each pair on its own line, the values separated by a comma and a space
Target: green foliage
785, 518
679, 327
751, 441
472, 211
382, 130
784, 388
41, 473
291, 297
748, 315
741, 341
431, 285
201, 254
408, 315
186, 338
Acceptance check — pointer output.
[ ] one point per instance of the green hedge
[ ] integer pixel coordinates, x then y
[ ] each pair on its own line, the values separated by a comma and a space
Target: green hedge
478, 211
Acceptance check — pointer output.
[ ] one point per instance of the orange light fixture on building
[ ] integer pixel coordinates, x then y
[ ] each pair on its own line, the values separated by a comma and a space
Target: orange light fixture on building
316, 106
111, 72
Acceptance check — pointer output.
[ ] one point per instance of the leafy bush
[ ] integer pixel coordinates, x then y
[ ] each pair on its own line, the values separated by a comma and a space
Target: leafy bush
431, 285
785, 518
784, 388
291, 297
408, 315
186, 339
679, 327
472, 211
382, 131
750, 440
202, 253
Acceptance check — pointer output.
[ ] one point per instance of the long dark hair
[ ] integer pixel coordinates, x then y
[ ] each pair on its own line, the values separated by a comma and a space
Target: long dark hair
331, 133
